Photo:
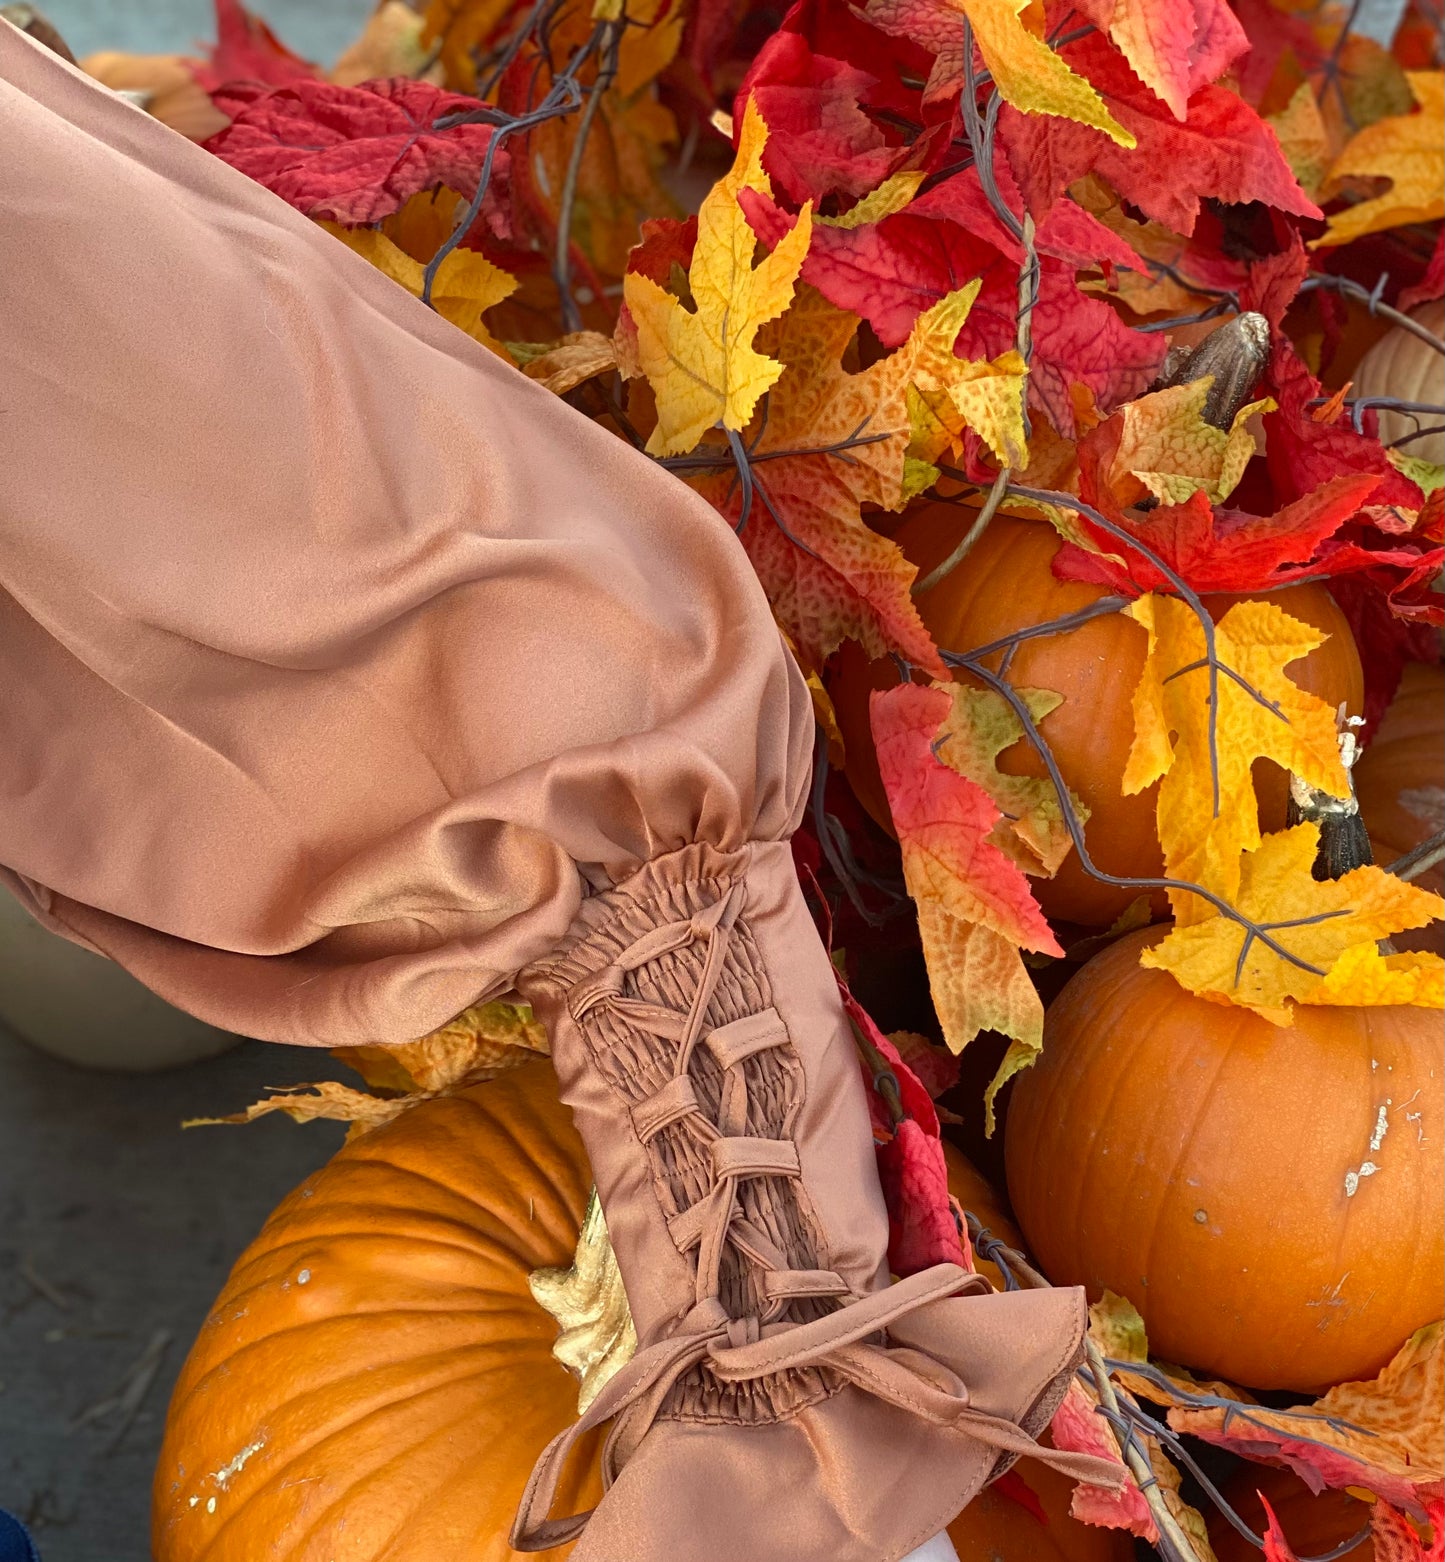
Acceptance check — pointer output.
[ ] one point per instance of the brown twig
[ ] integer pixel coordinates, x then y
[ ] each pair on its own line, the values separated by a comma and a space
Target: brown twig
1178, 1543
969, 540
1420, 859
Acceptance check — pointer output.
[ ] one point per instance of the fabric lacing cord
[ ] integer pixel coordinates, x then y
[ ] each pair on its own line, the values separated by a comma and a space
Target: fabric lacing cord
845, 1341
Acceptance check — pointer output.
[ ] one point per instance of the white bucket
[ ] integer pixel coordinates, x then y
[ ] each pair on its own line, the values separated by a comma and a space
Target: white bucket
84, 1008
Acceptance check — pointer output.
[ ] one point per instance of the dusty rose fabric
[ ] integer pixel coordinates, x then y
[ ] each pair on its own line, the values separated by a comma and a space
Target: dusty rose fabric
349, 677
332, 647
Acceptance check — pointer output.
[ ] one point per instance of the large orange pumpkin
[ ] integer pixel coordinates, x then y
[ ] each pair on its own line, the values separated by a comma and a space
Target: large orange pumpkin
1313, 1523
376, 1379
1006, 583
1271, 1200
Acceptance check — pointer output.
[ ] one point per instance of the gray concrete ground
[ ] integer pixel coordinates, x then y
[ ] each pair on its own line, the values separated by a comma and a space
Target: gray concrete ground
317, 29
116, 1231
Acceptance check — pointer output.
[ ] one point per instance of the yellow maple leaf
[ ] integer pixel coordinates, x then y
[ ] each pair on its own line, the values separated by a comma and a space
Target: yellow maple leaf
1207, 813
976, 731
978, 982
1364, 978
1169, 448
701, 363
1304, 139
1409, 150
1027, 72
892, 196
462, 28
1314, 928
467, 283
831, 441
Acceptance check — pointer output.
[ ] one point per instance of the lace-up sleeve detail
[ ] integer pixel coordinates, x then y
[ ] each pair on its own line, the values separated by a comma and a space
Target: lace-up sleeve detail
698, 1037
676, 1016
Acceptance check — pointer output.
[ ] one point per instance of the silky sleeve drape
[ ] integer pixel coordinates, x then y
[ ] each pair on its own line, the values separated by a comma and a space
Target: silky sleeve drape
339, 659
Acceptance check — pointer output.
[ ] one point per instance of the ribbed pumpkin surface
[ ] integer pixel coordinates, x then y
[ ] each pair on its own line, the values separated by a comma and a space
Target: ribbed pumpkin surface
1402, 366
376, 1379
1400, 780
1271, 1200
1006, 584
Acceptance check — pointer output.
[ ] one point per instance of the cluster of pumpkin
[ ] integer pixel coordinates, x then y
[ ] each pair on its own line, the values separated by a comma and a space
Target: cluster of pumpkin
379, 1357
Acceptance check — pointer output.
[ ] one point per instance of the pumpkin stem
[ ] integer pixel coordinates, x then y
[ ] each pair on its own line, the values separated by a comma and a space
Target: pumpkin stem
1344, 845
1234, 354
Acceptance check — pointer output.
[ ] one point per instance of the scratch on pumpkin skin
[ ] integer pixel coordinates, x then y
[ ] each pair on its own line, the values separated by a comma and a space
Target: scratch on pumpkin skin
1365, 1169
224, 1475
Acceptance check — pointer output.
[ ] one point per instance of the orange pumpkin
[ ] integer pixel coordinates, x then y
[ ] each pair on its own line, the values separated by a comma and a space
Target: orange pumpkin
1400, 779
1006, 583
1271, 1200
997, 1528
376, 1373
1314, 1524
1402, 366
377, 1377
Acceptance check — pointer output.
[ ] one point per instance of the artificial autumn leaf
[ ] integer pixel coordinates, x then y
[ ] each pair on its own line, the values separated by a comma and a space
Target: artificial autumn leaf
1432, 284
390, 45
1168, 447
914, 1176
1394, 1539
1316, 924
1027, 72
945, 823
1223, 149
563, 365
1407, 149
355, 154
247, 50
1303, 452
975, 909
1365, 978
462, 28
922, 1230
976, 731
467, 283
481, 1041
891, 270
701, 363
829, 441
1304, 140
1078, 1427
1221, 550
1384, 1436
1172, 48
821, 141
1207, 814
935, 1067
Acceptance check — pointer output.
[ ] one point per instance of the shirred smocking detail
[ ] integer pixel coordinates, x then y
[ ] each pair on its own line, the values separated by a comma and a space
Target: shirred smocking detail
675, 1008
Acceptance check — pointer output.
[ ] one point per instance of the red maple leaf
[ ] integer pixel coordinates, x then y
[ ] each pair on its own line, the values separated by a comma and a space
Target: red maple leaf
820, 142
1276, 1547
834, 29
1222, 149
1303, 453
1432, 284
356, 154
921, 1227
1227, 550
1177, 48
246, 50
922, 1230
